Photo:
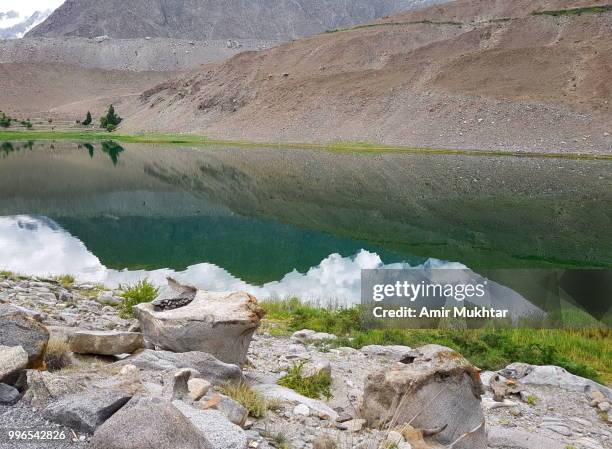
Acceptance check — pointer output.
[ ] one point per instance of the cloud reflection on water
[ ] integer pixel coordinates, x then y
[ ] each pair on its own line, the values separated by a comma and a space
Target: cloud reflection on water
38, 246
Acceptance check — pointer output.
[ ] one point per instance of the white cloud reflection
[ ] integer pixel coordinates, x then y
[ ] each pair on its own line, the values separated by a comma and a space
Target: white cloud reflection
40, 247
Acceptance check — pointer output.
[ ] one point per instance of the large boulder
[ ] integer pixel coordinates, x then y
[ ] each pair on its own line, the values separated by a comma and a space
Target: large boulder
221, 324
12, 360
149, 423
86, 411
433, 387
106, 342
20, 329
211, 369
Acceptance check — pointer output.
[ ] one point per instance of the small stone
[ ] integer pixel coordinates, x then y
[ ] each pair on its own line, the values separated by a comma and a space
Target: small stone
393, 439
596, 396
309, 336
301, 410
8, 394
604, 406
176, 385
324, 442
316, 366
232, 410
354, 425
344, 417
198, 388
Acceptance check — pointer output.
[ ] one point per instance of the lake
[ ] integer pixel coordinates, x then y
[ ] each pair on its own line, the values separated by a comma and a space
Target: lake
282, 222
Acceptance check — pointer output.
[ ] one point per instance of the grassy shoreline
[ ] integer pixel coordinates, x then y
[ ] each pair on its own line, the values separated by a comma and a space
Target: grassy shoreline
361, 147
584, 352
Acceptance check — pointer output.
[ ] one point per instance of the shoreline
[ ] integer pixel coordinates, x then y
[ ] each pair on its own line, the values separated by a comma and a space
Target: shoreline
358, 147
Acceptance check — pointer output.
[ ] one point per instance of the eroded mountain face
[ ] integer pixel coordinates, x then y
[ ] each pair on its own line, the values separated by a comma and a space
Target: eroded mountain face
214, 19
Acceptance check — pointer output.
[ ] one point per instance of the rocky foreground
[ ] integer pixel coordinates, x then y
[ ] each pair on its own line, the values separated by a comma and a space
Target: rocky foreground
194, 370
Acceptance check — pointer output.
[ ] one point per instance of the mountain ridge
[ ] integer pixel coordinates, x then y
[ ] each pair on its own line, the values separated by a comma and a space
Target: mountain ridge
214, 19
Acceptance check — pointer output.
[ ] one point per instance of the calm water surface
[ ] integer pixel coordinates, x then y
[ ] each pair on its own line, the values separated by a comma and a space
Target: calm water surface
291, 221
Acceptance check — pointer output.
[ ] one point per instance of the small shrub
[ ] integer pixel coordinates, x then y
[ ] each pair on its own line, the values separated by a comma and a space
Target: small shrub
532, 400
242, 393
110, 127
87, 120
311, 387
141, 292
57, 355
5, 121
65, 280
280, 441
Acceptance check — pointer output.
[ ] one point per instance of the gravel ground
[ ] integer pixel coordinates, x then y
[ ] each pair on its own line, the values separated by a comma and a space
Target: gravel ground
20, 417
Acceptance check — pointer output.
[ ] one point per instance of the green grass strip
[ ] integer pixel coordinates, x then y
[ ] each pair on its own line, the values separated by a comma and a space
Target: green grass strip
352, 147
575, 11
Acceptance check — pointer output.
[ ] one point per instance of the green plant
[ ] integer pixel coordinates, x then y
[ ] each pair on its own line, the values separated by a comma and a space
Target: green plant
87, 120
584, 352
57, 355
26, 123
5, 121
280, 441
110, 127
532, 400
242, 393
141, 292
312, 386
110, 119
65, 280
575, 11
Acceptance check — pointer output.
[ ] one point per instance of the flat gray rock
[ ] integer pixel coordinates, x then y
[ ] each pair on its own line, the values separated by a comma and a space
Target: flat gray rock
516, 438
106, 343
552, 376
85, 411
210, 368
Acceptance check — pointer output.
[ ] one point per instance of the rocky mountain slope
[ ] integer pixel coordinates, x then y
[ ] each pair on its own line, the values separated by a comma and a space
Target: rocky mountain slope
214, 19
470, 74
164, 55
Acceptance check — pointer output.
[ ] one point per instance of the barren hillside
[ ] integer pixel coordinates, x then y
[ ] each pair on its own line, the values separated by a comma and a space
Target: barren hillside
214, 19
124, 54
56, 90
533, 82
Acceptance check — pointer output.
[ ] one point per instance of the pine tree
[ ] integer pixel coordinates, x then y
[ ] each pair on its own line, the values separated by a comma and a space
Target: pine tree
87, 120
110, 120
